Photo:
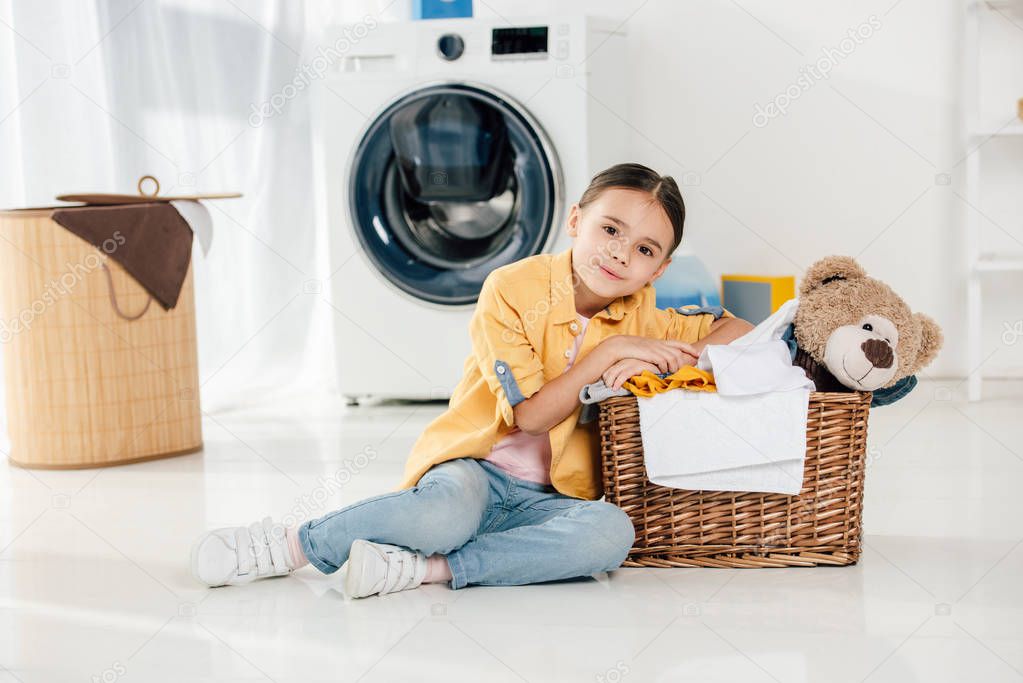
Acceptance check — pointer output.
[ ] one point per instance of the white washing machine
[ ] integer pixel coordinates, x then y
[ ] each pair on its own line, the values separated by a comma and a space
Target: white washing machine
445, 149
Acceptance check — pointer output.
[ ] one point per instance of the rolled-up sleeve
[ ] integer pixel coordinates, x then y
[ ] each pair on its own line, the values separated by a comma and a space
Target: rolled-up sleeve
692, 323
508, 362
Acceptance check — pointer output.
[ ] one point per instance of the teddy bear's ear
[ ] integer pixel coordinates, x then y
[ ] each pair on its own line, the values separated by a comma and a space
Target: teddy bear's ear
828, 269
931, 340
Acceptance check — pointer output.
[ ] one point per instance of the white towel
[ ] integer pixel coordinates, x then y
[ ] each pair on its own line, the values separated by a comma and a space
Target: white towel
702, 441
750, 435
758, 361
751, 369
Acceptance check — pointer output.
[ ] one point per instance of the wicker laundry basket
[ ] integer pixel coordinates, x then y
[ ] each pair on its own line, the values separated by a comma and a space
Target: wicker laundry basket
680, 528
94, 375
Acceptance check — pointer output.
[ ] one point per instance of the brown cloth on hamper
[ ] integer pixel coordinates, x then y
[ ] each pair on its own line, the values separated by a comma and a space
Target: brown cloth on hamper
157, 244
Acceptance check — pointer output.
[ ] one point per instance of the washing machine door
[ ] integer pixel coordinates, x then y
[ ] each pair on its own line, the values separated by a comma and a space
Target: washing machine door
448, 183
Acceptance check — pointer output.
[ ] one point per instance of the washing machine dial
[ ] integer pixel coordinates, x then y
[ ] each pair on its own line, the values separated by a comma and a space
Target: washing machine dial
450, 46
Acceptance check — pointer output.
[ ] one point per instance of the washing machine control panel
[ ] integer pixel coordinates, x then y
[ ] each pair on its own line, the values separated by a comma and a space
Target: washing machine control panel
519, 42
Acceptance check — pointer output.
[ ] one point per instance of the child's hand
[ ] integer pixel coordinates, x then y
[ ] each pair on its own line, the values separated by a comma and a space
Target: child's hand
667, 355
616, 375
692, 352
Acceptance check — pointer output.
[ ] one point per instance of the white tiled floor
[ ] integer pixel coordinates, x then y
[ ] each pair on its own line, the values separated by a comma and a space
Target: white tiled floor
94, 582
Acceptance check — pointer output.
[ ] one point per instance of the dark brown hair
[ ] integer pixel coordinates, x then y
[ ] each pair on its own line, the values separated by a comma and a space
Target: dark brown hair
639, 177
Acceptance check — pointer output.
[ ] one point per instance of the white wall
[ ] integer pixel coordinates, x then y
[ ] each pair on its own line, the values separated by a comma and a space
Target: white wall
850, 169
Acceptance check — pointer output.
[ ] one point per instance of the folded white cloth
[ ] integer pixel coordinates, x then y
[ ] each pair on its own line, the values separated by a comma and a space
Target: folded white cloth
758, 361
750, 435
753, 368
703, 441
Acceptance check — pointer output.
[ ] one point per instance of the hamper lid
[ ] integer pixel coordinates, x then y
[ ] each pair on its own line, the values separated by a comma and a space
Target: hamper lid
155, 236
142, 196
152, 233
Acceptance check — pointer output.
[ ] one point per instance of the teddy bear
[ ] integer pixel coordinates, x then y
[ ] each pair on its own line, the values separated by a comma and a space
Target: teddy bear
852, 332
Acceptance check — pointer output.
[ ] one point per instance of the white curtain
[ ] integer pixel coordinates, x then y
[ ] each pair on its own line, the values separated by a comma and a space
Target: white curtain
94, 95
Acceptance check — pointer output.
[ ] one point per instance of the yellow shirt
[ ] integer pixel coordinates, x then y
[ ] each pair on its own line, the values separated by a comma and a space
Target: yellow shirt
522, 332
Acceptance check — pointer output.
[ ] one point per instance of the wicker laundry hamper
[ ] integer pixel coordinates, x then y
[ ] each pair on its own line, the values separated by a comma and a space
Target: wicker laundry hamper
680, 528
94, 375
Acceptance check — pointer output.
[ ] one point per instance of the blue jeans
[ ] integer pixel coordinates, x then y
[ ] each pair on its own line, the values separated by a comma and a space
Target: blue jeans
496, 529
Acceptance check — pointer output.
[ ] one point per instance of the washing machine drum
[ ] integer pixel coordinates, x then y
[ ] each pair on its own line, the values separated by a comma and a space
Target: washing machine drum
448, 183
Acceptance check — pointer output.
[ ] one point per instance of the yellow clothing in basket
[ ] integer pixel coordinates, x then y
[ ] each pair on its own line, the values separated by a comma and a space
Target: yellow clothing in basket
686, 377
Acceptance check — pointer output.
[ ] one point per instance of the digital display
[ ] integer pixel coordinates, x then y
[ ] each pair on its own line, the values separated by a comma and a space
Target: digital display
519, 41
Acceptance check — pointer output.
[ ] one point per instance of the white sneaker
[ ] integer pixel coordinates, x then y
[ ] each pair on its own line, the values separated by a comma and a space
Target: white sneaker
380, 568
241, 554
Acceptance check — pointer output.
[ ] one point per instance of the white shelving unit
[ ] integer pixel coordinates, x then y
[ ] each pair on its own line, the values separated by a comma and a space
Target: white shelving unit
980, 264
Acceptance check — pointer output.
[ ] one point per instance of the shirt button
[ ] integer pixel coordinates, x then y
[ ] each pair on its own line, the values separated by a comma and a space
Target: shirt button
500, 369
568, 353
574, 327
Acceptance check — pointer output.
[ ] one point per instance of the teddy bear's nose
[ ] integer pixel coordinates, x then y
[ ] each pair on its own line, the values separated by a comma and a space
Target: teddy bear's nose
878, 352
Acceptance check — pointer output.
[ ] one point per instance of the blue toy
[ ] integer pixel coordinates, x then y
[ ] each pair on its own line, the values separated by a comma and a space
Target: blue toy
686, 281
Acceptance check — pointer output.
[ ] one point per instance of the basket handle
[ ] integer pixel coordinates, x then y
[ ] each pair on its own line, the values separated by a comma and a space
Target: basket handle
113, 299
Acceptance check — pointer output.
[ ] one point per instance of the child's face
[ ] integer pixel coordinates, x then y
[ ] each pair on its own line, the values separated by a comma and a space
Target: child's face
621, 240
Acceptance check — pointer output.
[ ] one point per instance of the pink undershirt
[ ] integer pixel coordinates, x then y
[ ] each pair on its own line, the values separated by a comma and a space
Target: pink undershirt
526, 456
